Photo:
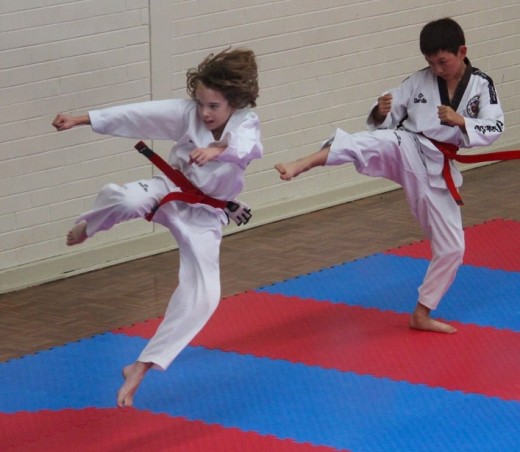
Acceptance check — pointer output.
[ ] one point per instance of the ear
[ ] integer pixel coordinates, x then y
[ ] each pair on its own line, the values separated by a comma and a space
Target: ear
463, 50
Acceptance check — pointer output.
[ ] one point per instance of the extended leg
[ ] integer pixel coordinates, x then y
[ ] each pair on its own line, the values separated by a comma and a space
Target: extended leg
292, 169
378, 154
198, 233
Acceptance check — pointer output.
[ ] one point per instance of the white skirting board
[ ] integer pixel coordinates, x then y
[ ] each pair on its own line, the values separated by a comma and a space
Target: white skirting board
82, 261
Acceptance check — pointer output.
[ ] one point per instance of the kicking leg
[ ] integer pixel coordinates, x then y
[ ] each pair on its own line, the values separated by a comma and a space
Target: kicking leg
292, 169
115, 204
78, 234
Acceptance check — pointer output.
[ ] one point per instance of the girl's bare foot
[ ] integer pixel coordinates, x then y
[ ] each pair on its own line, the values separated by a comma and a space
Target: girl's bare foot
421, 320
78, 234
133, 375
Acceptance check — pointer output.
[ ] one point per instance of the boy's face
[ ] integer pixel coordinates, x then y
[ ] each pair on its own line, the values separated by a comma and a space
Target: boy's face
447, 65
213, 108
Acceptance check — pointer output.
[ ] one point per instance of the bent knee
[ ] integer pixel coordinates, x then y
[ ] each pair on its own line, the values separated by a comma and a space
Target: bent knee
111, 192
128, 198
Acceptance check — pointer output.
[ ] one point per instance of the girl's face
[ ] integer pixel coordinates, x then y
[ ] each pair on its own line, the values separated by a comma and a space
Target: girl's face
213, 109
447, 65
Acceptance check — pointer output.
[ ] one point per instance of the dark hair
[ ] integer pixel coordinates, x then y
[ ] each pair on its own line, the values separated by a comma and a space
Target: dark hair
442, 34
233, 73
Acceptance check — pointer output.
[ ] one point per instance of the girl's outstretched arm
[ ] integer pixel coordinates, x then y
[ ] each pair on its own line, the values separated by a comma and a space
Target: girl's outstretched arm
65, 122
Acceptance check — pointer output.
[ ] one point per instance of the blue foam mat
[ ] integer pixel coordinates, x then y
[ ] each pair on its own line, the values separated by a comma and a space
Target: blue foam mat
479, 295
289, 400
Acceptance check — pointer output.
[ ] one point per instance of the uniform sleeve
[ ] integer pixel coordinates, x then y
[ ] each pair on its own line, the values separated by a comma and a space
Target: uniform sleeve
154, 120
242, 140
488, 125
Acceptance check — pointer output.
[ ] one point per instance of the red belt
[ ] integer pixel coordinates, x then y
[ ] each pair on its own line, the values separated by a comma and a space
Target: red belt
450, 153
189, 192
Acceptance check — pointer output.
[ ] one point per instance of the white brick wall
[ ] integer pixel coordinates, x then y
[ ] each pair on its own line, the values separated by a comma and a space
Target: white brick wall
62, 56
322, 64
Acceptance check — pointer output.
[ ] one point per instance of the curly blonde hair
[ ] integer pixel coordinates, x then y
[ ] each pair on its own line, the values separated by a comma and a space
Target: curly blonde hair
233, 73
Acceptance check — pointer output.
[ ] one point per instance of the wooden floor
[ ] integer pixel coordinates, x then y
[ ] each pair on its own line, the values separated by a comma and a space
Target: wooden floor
64, 311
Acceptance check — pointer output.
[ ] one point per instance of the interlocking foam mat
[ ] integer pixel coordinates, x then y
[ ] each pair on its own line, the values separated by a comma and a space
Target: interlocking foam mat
321, 362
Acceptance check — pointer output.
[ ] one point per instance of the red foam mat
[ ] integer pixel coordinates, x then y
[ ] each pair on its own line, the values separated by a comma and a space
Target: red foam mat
494, 244
128, 430
363, 340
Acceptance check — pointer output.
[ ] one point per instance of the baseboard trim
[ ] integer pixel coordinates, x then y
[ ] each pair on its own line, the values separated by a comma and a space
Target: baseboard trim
83, 261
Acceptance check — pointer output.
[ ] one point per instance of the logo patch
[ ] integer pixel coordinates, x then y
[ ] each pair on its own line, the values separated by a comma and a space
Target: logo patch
473, 107
420, 99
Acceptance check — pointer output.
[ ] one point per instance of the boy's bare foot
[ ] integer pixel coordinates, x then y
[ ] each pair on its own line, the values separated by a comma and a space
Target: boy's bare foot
292, 169
421, 320
78, 234
133, 375
288, 170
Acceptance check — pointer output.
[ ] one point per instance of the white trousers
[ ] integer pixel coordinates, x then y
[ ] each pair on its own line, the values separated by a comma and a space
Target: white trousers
198, 233
395, 155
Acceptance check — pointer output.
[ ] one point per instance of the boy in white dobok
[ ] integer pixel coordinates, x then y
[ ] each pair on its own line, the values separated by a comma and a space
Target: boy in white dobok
435, 111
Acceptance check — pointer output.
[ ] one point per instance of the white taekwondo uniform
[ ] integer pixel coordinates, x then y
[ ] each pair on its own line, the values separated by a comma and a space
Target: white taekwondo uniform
197, 228
399, 149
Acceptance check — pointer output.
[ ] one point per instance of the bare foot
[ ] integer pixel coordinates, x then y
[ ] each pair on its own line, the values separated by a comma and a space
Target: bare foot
292, 169
429, 324
288, 170
78, 234
421, 320
133, 375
